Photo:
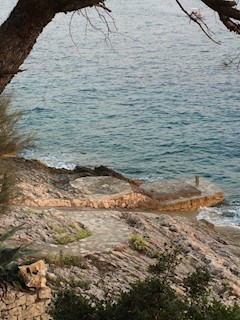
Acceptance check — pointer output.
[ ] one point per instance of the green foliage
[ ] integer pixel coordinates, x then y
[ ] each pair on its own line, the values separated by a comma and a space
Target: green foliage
166, 264
138, 243
11, 140
9, 255
218, 311
197, 283
71, 232
68, 306
79, 283
153, 298
64, 238
63, 260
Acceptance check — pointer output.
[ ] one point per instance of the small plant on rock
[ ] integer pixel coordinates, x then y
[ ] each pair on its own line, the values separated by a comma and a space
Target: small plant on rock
138, 243
64, 234
64, 260
65, 238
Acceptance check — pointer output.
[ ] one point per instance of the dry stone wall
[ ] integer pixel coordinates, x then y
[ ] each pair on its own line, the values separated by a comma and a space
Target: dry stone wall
18, 305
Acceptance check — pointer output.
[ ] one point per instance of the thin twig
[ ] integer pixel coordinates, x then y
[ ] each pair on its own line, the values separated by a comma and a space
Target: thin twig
200, 24
70, 32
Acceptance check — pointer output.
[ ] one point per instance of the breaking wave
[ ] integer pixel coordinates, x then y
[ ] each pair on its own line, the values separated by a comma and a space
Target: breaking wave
224, 216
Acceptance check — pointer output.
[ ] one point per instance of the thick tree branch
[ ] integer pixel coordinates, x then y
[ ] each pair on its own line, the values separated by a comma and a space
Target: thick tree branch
73, 5
227, 11
20, 31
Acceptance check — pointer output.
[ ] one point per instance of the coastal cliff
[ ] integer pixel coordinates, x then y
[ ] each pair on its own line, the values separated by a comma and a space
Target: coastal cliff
102, 250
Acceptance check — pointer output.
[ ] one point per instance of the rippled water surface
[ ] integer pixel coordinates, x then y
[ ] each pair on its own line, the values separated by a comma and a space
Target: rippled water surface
156, 102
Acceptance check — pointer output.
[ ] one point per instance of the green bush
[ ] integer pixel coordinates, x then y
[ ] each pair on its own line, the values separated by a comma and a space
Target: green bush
153, 298
138, 243
69, 306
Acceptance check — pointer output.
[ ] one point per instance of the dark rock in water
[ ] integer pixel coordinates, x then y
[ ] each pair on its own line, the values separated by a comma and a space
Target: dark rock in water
229, 214
101, 171
206, 223
84, 171
104, 171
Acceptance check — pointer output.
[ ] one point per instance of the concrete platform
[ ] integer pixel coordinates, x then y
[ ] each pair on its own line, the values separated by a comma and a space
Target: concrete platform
169, 189
165, 195
209, 194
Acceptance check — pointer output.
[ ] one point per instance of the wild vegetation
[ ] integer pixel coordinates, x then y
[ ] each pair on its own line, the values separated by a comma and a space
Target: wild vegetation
11, 143
154, 298
137, 242
62, 260
9, 257
11, 140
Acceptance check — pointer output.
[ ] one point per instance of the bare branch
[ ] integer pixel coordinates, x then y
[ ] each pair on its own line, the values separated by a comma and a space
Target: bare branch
199, 22
109, 25
235, 61
103, 7
70, 31
74, 5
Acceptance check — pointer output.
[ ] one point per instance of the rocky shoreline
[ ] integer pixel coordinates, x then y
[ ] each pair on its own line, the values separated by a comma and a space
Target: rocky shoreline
108, 259
103, 188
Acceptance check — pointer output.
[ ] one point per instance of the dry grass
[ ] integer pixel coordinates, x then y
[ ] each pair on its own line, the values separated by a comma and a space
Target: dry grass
11, 140
11, 143
8, 190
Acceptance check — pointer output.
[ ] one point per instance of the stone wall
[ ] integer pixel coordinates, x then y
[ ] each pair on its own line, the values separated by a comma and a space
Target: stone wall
18, 305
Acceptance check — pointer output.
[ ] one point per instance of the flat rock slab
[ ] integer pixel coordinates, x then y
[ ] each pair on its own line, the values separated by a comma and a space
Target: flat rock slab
101, 187
169, 189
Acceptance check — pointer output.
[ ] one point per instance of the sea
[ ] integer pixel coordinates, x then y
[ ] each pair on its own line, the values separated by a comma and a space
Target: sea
141, 90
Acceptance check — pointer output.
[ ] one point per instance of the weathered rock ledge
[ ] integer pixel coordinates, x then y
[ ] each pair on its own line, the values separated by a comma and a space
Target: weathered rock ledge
41, 186
107, 263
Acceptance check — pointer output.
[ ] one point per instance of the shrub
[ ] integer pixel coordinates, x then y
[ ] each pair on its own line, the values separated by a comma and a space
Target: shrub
138, 243
69, 306
11, 140
153, 298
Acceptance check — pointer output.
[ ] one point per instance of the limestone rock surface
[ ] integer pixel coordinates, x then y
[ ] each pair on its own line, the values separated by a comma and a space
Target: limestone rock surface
101, 187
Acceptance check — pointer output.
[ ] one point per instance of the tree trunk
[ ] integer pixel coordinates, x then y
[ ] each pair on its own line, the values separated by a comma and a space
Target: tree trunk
20, 31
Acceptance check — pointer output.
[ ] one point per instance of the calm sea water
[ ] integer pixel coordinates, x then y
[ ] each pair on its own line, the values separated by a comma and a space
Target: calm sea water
154, 102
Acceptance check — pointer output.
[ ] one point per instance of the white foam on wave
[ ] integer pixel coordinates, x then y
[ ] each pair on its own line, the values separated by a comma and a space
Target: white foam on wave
225, 216
151, 177
56, 163
49, 160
